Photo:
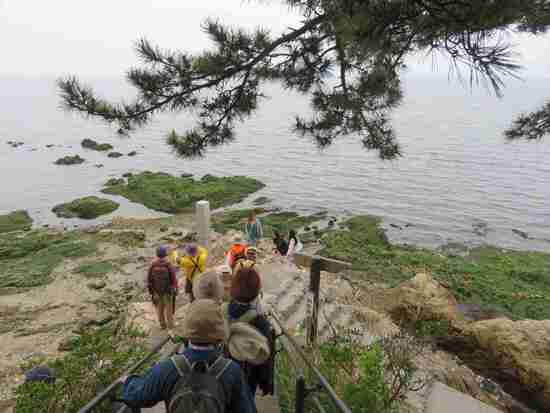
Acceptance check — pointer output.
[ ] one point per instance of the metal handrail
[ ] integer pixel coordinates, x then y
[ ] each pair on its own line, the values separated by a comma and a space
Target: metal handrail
323, 382
108, 391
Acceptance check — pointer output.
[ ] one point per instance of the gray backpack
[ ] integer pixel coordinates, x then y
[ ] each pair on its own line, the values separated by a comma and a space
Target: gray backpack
199, 389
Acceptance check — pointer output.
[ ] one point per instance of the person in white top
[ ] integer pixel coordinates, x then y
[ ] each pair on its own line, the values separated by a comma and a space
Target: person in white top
294, 246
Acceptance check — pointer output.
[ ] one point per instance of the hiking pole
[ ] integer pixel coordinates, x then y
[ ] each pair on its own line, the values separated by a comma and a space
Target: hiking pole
105, 393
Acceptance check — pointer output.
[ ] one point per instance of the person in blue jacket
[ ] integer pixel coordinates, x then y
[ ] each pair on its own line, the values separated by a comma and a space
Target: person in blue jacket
204, 328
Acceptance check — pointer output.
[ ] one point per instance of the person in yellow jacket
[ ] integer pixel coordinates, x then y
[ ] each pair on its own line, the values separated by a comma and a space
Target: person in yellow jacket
192, 264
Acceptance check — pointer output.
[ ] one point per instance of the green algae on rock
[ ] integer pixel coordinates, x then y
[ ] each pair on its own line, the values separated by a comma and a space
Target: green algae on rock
70, 160
95, 146
86, 208
115, 181
261, 200
15, 221
94, 269
164, 192
27, 260
280, 221
513, 283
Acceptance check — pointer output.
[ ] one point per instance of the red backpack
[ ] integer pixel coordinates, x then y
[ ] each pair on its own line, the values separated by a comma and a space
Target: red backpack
160, 278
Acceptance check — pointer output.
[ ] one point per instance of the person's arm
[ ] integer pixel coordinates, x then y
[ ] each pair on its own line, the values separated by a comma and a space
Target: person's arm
202, 259
155, 386
291, 246
174, 277
148, 280
260, 229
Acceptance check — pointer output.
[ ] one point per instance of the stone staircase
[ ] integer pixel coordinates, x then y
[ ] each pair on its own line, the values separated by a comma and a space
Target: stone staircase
285, 292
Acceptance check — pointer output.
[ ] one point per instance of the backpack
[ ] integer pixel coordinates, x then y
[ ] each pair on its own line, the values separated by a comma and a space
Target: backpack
161, 278
199, 389
245, 343
243, 263
238, 252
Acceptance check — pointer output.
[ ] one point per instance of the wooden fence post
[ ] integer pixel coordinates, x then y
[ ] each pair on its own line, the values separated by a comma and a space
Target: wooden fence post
313, 301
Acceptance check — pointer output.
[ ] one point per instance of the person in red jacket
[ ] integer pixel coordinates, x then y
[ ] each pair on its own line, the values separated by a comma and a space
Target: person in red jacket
163, 286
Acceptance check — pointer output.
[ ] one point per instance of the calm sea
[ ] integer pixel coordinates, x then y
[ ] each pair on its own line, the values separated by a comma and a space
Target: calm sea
459, 180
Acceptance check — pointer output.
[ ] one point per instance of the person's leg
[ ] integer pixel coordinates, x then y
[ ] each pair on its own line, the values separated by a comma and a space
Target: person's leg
189, 289
161, 309
169, 312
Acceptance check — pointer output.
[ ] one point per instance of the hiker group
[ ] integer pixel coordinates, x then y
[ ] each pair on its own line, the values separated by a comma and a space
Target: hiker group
228, 351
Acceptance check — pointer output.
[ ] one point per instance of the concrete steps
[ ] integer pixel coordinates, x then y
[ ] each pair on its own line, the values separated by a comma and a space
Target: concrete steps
444, 399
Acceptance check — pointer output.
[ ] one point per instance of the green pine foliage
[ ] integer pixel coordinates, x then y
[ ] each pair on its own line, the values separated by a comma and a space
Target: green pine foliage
347, 55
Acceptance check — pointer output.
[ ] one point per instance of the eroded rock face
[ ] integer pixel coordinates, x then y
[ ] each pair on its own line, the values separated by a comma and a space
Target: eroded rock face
521, 350
423, 298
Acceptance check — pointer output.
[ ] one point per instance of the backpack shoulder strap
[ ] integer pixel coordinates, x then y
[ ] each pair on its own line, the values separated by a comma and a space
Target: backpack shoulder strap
225, 310
248, 316
219, 366
181, 364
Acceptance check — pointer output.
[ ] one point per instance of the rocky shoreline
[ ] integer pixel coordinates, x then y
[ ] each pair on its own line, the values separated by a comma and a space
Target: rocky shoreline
483, 314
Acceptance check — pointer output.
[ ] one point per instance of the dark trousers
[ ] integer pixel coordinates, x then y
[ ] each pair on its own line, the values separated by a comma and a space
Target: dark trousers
189, 289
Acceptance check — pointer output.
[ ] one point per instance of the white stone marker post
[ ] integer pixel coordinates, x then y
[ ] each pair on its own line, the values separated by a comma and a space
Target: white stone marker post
203, 222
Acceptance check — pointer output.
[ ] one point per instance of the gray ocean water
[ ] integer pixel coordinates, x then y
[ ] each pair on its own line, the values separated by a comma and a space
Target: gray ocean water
459, 181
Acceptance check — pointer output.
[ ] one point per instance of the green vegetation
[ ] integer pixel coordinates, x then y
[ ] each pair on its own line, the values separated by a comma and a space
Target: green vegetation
14, 221
94, 269
124, 238
367, 378
167, 193
233, 219
86, 208
432, 328
93, 145
362, 46
281, 221
70, 160
115, 181
516, 283
28, 260
79, 377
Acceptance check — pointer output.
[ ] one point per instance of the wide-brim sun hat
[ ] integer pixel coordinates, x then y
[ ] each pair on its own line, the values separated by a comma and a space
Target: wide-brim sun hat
208, 285
204, 322
245, 343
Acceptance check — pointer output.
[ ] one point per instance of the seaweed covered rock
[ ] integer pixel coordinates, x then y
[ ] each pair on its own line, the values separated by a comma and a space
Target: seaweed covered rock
15, 221
261, 200
115, 181
93, 145
86, 208
70, 160
167, 193
423, 298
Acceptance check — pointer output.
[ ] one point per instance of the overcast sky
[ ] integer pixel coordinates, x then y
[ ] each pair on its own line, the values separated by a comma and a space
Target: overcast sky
94, 38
